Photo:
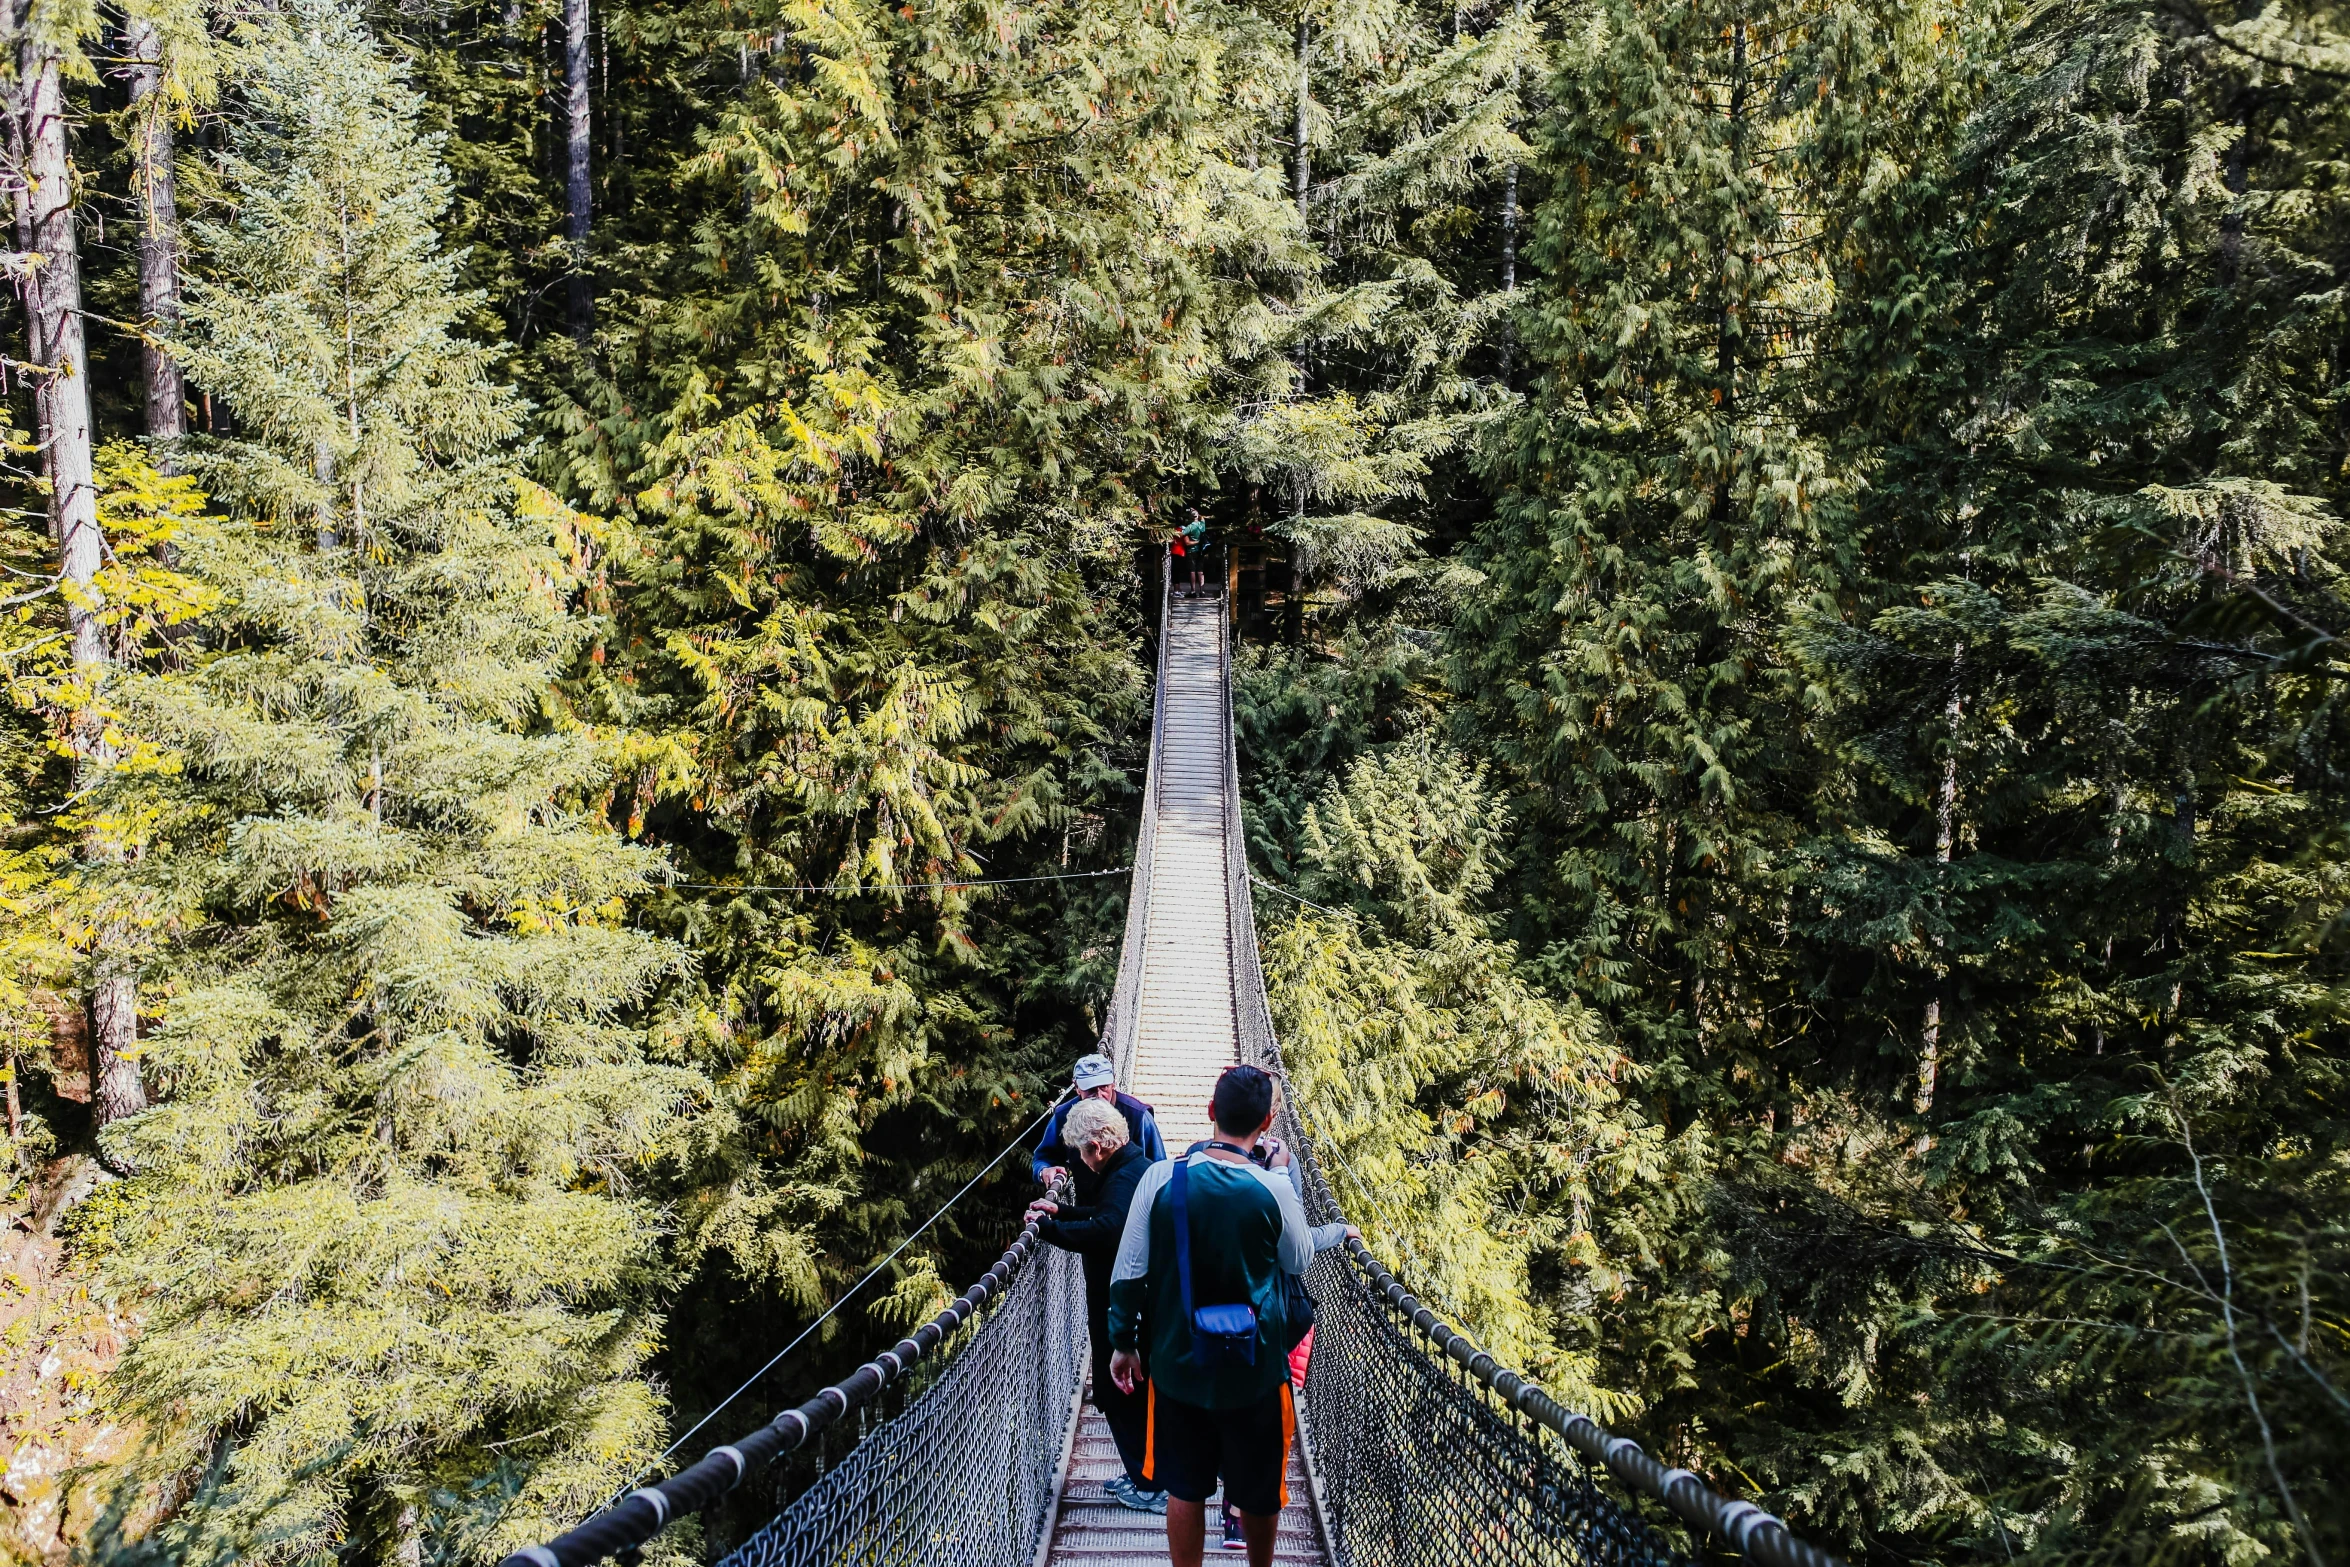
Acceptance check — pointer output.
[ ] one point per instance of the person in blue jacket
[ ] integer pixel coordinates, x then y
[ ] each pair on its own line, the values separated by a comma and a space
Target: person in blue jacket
1095, 1078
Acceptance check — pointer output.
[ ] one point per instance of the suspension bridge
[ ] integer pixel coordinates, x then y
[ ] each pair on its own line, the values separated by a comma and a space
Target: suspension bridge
970, 1441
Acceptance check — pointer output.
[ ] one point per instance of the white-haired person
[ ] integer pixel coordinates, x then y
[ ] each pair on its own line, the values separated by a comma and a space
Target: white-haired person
1091, 1224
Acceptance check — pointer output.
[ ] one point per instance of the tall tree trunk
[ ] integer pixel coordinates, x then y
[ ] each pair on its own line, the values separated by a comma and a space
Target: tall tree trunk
53, 311
1509, 231
1303, 172
1509, 204
159, 231
577, 197
1945, 834
322, 467
1509, 227
1725, 348
53, 307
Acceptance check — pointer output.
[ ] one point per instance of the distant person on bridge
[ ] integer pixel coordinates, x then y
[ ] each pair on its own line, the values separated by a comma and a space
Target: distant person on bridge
1193, 547
1198, 1296
1094, 1078
1092, 1224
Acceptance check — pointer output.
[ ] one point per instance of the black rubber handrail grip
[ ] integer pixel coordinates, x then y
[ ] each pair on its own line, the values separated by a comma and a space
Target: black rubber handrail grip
1745, 1527
629, 1523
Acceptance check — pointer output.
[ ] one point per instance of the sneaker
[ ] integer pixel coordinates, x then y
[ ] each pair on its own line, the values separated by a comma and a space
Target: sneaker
1126, 1493
1233, 1539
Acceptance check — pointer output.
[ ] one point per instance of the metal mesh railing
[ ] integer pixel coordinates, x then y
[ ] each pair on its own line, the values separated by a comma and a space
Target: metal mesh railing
1418, 1465
962, 1473
966, 1474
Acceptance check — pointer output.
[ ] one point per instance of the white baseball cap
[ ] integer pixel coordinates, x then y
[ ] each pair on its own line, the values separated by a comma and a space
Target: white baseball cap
1093, 1072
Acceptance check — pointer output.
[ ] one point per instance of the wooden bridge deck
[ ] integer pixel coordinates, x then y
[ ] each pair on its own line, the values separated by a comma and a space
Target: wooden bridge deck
1185, 1031
1185, 1035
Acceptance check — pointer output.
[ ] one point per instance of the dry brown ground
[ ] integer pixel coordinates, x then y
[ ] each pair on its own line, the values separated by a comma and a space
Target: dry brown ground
56, 1345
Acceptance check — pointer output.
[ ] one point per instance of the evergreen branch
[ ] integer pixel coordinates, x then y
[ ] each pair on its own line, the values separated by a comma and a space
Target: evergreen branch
1257, 881
2189, 11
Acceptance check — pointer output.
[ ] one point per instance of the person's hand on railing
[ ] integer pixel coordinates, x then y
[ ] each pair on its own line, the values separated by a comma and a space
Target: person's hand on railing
1042, 1208
1054, 1175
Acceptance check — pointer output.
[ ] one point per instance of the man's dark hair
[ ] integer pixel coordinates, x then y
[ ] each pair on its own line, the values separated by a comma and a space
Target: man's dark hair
1244, 1097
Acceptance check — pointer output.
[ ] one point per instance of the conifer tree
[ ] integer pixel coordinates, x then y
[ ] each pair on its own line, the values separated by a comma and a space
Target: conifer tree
878, 443
1403, 119
2093, 757
43, 45
578, 191
390, 1237
1729, 279
1468, 1121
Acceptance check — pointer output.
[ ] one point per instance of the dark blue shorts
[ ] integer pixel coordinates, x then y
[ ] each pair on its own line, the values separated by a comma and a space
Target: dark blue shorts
1190, 1448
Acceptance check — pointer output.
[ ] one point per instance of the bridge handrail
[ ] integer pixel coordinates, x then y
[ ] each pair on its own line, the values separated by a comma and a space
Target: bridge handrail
637, 1517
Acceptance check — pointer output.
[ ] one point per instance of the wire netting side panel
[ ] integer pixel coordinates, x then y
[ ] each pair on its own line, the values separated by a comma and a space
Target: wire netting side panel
1125, 1013
1420, 1469
965, 1474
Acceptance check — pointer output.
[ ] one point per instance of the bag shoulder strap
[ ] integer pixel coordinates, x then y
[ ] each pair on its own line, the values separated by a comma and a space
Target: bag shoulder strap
1182, 1237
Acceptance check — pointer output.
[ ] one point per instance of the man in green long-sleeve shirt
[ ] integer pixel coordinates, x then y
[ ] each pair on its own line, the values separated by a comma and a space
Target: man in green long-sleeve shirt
1233, 1421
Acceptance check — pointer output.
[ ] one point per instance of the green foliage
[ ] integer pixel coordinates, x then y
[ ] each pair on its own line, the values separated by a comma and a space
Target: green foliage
1814, 765
1465, 1119
1905, 623
875, 443
388, 1219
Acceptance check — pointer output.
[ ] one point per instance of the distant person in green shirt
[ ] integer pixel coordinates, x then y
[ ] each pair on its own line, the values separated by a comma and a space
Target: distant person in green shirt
1215, 1412
1195, 554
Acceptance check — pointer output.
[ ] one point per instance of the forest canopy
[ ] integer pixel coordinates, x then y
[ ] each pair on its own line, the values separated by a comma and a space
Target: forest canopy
579, 635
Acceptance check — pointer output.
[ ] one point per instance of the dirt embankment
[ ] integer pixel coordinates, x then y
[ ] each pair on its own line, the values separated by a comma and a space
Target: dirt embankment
56, 1343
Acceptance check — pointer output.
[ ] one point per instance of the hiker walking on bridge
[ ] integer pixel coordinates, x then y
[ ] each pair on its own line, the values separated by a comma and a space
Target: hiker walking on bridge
1093, 1225
1198, 1296
1094, 1078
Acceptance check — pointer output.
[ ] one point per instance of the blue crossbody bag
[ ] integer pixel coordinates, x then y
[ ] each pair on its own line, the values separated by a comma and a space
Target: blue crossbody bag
1220, 1335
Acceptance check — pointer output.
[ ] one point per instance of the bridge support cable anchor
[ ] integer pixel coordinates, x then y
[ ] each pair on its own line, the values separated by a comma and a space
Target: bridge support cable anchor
622, 1529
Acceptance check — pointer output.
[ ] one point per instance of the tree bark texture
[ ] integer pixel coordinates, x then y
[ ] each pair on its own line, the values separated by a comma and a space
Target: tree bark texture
53, 311
114, 1034
1304, 172
1509, 205
1945, 835
159, 231
577, 196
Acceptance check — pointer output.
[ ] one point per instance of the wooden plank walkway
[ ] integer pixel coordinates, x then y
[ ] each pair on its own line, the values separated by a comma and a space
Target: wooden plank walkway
1186, 1034
1094, 1531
